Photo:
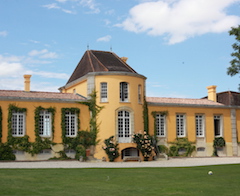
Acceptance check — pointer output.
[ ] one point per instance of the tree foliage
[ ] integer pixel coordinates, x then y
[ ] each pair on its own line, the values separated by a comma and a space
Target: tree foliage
235, 62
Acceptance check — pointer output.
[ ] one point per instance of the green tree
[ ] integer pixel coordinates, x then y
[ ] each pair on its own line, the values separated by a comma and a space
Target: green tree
235, 62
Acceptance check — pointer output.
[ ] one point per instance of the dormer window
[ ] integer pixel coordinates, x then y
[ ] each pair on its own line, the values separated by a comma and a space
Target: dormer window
124, 92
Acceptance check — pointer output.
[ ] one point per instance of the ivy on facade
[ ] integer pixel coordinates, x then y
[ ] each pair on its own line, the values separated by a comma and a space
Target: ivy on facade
181, 144
145, 115
42, 143
95, 110
0, 124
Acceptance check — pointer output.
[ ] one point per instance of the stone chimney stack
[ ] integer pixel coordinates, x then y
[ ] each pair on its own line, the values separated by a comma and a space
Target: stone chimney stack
27, 83
124, 59
212, 95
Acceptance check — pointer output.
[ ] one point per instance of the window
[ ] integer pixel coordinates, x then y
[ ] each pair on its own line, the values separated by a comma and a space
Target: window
139, 94
218, 125
199, 125
71, 123
161, 125
124, 92
18, 123
45, 124
104, 94
124, 126
180, 124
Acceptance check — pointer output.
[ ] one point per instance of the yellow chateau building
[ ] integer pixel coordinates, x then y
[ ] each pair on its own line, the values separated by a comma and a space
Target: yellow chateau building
57, 117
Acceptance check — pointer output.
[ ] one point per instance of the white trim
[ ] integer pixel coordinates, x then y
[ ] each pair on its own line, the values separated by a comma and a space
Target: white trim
17, 119
159, 125
181, 125
200, 118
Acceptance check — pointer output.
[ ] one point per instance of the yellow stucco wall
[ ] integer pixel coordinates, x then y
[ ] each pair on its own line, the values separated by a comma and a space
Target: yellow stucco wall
31, 106
190, 113
108, 116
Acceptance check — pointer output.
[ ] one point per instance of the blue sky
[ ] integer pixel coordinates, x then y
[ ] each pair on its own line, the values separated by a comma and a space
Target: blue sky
181, 46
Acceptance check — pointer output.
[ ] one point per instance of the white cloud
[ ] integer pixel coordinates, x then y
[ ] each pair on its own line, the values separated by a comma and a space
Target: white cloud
91, 4
44, 54
37, 52
51, 75
49, 55
106, 38
3, 33
179, 20
61, 1
52, 6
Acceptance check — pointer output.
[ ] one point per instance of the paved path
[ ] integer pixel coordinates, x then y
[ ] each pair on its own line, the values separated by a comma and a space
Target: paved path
173, 162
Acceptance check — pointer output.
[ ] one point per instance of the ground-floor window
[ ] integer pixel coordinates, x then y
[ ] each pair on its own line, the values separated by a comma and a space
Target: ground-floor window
180, 125
161, 125
199, 119
218, 125
18, 123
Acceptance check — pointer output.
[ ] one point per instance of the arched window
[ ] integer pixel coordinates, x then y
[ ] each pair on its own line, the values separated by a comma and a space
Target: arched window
124, 92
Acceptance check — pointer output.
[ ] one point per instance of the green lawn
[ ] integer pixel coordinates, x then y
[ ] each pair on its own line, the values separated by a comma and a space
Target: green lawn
134, 181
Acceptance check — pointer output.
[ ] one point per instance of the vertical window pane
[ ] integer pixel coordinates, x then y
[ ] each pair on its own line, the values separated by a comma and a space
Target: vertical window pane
71, 123
199, 125
18, 124
217, 125
123, 124
160, 125
180, 125
45, 123
103, 92
124, 91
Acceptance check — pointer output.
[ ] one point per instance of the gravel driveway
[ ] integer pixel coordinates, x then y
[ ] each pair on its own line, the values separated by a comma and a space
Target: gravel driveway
173, 162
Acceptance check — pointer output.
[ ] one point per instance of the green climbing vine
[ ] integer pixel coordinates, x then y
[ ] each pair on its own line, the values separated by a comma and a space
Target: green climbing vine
181, 144
145, 115
95, 110
154, 114
81, 142
0, 124
17, 143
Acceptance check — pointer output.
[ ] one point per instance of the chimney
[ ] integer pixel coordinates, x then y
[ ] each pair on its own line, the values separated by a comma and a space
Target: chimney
212, 93
124, 59
27, 83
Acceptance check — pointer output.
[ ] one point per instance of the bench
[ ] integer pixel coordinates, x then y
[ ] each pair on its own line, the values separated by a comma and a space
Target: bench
131, 158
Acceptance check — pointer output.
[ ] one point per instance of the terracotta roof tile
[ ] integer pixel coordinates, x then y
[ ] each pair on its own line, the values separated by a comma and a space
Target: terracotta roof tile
40, 95
182, 101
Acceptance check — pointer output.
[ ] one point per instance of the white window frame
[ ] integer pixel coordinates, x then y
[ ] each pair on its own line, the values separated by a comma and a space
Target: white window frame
200, 125
181, 125
218, 118
45, 123
104, 91
161, 125
139, 93
71, 123
124, 126
18, 124
124, 92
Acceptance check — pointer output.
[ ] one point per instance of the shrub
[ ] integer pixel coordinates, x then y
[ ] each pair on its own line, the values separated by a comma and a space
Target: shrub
6, 152
181, 144
111, 149
144, 144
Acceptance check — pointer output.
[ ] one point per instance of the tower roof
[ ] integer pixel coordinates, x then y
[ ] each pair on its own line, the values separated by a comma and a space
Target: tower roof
99, 61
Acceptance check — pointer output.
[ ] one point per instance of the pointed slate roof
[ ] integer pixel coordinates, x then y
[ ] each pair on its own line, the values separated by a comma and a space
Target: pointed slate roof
99, 61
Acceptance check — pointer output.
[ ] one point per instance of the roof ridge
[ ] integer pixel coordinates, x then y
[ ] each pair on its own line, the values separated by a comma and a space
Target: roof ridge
97, 59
